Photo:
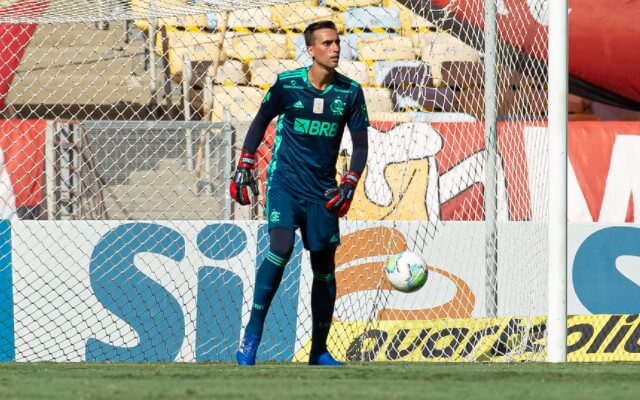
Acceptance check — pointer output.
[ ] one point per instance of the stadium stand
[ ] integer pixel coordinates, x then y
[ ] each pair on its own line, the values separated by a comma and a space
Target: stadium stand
378, 100
199, 46
343, 5
242, 102
440, 47
372, 19
295, 17
462, 74
402, 73
188, 22
250, 46
420, 98
389, 48
250, 20
352, 40
263, 73
356, 70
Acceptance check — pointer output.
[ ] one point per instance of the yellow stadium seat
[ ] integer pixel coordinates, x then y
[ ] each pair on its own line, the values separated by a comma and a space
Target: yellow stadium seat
231, 72
195, 21
356, 70
251, 46
200, 47
410, 21
378, 100
346, 4
242, 102
263, 72
389, 48
444, 47
295, 17
256, 19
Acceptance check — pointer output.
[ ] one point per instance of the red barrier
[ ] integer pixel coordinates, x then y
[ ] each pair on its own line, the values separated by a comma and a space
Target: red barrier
22, 142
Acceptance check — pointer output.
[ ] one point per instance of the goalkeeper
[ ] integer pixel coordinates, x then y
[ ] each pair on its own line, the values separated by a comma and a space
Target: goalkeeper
313, 105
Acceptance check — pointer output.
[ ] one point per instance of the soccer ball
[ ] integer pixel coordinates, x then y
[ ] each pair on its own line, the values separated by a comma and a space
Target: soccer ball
406, 271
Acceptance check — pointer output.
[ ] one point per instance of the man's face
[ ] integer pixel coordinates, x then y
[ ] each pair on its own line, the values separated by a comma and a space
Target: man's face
325, 48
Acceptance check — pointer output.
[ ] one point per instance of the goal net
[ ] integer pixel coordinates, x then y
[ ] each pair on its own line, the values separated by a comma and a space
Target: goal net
122, 122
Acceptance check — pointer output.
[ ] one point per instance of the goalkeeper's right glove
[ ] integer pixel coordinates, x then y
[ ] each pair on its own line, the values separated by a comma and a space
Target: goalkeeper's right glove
243, 179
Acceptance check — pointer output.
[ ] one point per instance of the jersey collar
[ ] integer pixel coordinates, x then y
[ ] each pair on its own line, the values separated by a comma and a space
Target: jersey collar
305, 77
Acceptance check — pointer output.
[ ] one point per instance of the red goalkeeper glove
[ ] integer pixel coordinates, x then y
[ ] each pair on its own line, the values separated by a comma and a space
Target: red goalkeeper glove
243, 179
340, 197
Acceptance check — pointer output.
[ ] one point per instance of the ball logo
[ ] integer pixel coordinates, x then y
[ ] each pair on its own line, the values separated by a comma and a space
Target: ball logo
356, 273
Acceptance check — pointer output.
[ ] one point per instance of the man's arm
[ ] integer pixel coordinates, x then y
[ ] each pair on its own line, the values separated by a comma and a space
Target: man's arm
340, 197
243, 179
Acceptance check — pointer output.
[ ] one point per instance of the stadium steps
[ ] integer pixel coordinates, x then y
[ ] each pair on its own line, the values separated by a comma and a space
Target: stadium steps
163, 193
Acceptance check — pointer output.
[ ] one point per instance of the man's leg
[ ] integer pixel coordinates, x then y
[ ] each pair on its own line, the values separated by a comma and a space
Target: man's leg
268, 280
323, 299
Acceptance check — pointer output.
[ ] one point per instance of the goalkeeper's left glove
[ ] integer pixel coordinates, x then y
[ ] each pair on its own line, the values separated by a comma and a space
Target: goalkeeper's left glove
340, 197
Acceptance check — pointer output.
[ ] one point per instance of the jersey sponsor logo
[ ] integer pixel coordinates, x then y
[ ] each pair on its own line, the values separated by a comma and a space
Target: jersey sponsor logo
315, 128
298, 104
292, 84
337, 107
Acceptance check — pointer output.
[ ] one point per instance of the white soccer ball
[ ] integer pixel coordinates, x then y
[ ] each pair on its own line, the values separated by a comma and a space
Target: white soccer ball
406, 271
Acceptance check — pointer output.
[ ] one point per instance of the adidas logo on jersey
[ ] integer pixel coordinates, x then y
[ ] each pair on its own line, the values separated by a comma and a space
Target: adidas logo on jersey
298, 105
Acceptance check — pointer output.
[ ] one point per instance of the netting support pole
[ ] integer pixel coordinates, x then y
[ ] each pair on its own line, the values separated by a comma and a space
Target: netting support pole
491, 155
228, 137
558, 94
153, 21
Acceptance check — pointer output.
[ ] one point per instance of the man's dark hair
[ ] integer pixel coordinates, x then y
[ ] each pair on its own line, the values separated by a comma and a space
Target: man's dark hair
308, 32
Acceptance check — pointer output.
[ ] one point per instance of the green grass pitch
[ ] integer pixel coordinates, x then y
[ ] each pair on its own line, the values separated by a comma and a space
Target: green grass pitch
298, 381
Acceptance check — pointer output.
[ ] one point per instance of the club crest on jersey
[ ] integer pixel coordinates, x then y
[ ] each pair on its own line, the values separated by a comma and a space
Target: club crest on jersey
337, 107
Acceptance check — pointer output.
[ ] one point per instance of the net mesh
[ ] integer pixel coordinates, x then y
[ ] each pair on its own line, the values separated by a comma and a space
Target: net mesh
122, 124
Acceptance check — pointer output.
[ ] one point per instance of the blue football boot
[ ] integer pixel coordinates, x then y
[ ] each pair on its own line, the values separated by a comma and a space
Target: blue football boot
324, 359
246, 354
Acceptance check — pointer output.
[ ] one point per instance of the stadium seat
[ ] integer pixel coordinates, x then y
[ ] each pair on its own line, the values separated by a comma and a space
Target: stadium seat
242, 102
443, 47
255, 19
378, 100
250, 46
347, 4
410, 22
390, 48
356, 70
189, 22
301, 55
372, 19
352, 39
200, 46
420, 98
231, 72
420, 40
295, 17
402, 73
263, 72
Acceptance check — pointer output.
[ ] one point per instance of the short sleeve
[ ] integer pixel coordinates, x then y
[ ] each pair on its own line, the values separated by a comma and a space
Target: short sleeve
359, 116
